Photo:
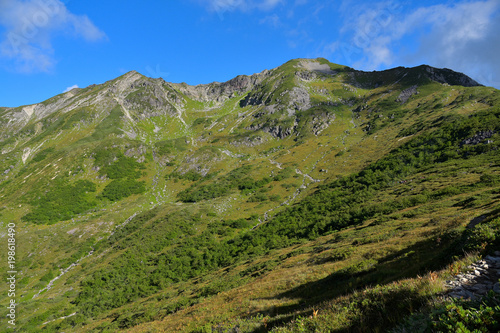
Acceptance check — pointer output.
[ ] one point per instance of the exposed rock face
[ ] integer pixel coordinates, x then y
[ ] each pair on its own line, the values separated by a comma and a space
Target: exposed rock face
321, 121
219, 92
306, 75
299, 99
138, 153
279, 131
26, 154
252, 99
315, 66
478, 138
276, 128
146, 97
445, 75
200, 162
482, 278
409, 76
20, 116
406, 94
249, 141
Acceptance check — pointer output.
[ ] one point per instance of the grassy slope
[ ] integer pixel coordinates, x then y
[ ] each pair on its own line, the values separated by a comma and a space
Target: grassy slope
264, 288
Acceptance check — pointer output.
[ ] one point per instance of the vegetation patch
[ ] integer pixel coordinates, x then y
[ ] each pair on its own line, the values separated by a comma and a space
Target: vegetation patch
62, 202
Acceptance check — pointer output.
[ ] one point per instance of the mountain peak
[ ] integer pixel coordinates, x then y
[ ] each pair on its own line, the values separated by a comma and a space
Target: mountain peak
408, 76
448, 76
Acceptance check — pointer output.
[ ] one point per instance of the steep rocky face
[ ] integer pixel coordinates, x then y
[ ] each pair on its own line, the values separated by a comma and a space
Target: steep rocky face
406, 94
20, 116
277, 129
447, 76
419, 75
219, 92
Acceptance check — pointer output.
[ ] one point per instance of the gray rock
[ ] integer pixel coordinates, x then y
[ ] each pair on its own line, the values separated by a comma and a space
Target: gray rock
478, 138
447, 76
299, 99
493, 260
405, 95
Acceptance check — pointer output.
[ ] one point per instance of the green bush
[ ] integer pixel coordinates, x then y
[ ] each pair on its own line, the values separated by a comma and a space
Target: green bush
122, 188
43, 154
275, 198
467, 317
484, 236
490, 179
284, 174
190, 175
123, 167
62, 202
258, 197
236, 179
47, 277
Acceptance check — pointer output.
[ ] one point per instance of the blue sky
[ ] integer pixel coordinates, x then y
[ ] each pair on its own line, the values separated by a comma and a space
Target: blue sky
47, 46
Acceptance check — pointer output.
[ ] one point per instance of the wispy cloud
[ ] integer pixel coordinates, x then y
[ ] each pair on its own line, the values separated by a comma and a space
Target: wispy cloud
461, 35
241, 5
70, 88
29, 27
464, 37
273, 20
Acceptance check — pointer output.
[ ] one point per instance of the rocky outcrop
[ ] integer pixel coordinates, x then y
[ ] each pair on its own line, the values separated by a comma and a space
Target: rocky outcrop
306, 75
20, 116
249, 141
405, 95
200, 161
321, 121
299, 99
139, 153
482, 278
252, 99
278, 129
409, 76
316, 66
143, 97
220, 92
479, 137
447, 76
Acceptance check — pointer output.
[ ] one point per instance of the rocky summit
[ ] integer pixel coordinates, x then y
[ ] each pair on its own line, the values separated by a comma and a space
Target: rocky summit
311, 197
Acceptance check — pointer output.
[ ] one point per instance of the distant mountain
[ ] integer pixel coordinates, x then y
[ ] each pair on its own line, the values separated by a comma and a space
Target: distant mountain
310, 197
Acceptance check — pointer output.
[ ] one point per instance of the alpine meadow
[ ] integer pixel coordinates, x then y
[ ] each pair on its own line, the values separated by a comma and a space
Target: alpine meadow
312, 197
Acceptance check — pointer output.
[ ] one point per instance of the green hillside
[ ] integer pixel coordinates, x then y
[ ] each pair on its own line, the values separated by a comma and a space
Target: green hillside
307, 198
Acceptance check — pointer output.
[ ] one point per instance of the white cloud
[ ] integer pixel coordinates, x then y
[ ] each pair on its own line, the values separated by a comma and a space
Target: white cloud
268, 4
70, 88
272, 20
30, 26
462, 36
221, 6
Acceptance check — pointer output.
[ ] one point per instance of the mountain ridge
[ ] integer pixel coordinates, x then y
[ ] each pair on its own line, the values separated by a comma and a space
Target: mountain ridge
463, 79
